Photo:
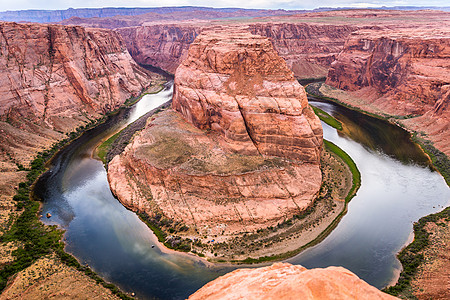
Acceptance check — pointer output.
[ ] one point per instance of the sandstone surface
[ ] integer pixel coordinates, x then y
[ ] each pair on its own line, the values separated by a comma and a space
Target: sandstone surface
55, 78
173, 169
307, 49
285, 281
402, 73
240, 150
308, 42
235, 84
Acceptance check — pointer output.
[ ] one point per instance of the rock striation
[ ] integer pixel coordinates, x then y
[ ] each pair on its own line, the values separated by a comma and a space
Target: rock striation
307, 49
54, 79
285, 281
402, 73
239, 152
161, 45
50, 72
234, 83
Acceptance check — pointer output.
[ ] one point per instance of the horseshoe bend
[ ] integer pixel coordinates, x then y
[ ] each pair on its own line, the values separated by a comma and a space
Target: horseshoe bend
237, 154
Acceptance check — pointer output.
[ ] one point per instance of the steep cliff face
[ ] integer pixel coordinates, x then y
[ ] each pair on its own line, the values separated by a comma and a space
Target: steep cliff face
52, 72
307, 49
241, 151
407, 69
234, 83
286, 281
53, 79
163, 45
401, 72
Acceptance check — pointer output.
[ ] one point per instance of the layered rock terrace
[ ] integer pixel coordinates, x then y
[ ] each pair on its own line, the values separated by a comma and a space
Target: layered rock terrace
236, 85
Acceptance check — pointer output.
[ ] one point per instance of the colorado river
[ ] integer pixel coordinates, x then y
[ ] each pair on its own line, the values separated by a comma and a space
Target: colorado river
398, 187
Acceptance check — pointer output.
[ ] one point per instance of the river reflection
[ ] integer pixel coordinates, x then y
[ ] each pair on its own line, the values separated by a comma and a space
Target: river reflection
397, 189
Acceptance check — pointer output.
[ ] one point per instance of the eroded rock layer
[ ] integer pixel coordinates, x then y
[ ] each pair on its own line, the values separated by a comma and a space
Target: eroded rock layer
401, 73
285, 281
307, 49
178, 171
239, 152
234, 83
54, 78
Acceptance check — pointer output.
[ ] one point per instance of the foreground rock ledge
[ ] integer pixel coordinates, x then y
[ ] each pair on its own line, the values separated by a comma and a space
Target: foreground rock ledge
240, 151
285, 281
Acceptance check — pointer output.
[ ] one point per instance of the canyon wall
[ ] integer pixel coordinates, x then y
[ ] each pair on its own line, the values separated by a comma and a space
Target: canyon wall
57, 77
307, 49
403, 73
285, 281
53, 79
162, 45
239, 151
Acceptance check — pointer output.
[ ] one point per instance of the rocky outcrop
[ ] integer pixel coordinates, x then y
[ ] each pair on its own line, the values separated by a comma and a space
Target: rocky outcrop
400, 73
177, 171
241, 151
235, 84
307, 49
285, 281
52, 72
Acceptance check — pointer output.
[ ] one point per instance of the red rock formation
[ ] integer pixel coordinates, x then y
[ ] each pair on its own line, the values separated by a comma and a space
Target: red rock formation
53, 71
163, 45
56, 77
186, 175
401, 72
283, 281
234, 83
307, 49
252, 159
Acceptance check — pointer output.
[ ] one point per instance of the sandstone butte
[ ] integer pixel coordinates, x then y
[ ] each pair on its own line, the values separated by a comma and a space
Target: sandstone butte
239, 151
403, 73
283, 281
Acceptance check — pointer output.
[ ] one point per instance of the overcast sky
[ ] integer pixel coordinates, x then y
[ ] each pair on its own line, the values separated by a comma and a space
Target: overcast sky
274, 4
